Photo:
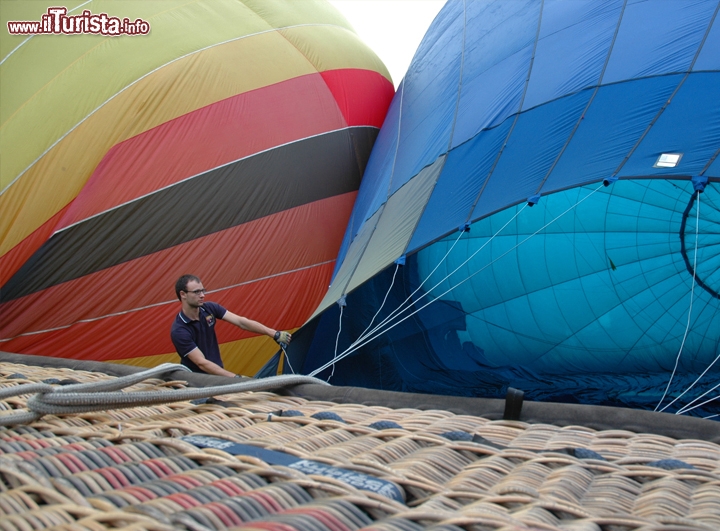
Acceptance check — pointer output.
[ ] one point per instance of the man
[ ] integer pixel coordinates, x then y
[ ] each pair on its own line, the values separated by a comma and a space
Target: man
193, 331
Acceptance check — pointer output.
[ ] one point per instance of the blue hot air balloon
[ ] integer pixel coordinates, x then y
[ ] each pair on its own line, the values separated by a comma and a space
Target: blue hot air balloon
541, 211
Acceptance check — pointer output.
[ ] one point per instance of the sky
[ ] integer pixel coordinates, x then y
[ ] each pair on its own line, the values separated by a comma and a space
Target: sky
392, 28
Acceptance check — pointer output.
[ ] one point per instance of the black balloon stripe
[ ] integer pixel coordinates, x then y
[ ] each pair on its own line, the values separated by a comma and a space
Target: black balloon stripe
261, 185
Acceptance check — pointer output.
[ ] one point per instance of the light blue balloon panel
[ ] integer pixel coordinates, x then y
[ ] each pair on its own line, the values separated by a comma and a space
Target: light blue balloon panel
590, 280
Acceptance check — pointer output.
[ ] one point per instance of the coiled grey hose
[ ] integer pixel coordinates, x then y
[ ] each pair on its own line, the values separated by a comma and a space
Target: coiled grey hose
99, 396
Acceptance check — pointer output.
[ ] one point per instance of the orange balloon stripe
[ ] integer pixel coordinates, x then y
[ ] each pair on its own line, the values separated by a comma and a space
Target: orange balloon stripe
290, 240
283, 302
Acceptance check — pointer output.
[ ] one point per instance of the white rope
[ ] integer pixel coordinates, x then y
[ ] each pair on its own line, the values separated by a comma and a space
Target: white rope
464, 280
409, 297
404, 306
687, 408
287, 358
337, 338
392, 283
363, 334
358, 344
687, 327
342, 306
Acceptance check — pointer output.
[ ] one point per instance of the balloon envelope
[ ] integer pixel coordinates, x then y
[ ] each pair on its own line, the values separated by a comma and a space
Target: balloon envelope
547, 182
228, 142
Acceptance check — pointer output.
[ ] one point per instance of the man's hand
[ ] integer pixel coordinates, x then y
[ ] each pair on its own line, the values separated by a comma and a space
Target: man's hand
283, 338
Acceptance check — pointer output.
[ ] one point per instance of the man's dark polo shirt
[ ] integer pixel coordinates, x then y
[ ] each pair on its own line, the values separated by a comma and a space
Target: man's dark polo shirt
187, 335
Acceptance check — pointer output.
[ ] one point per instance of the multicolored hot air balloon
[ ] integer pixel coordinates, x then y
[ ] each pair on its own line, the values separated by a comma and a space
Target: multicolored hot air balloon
541, 211
228, 142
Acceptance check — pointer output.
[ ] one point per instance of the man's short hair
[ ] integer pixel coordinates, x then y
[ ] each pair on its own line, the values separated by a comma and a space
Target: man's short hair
182, 282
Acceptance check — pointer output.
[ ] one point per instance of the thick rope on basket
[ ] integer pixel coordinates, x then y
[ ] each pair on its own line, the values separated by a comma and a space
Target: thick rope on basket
104, 395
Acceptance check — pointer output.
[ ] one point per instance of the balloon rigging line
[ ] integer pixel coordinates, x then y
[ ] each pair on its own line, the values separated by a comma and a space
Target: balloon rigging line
481, 269
363, 334
402, 306
337, 340
687, 408
342, 306
392, 283
399, 310
687, 327
409, 297
359, 344
287, 358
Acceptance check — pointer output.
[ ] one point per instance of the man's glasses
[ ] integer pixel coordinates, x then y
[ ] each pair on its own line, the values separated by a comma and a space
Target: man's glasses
197, 291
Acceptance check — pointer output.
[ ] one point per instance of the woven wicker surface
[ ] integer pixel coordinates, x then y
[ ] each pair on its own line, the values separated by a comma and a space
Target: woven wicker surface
130, 469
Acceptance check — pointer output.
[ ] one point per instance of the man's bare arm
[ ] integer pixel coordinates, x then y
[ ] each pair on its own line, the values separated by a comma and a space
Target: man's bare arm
248, 324
205, 365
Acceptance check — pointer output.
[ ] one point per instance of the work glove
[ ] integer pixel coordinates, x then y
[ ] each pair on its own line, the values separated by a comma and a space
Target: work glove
283, 338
